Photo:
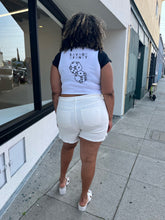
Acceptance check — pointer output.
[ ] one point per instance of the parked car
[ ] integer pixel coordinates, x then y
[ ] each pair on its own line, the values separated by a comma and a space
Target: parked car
20, 75
23, 75
16, 77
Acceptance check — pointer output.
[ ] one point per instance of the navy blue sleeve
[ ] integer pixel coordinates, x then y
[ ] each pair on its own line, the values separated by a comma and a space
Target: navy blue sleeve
56, 60
103, 58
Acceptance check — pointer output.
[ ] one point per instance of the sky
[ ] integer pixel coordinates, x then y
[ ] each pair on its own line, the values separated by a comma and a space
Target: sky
162, 22
11, 37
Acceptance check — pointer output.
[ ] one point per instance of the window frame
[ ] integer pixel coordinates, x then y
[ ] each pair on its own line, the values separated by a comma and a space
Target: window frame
14, 127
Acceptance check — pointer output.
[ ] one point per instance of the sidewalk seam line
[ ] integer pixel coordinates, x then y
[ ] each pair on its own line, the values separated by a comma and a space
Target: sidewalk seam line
125, 187
118, 149
147, 184
73, 206
30, 207
54, 184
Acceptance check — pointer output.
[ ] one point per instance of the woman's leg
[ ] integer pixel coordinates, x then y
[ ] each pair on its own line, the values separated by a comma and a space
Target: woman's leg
66, 157
88, 154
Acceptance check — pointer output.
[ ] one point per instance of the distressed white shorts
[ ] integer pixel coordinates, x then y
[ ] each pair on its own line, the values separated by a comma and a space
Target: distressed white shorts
83, 116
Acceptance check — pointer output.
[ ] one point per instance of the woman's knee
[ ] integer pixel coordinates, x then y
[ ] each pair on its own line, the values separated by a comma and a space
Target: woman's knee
68, 146
88, 159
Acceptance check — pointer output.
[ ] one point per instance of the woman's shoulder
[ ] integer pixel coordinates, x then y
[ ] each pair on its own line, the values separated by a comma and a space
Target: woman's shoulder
103, 58
56, 60
102, 55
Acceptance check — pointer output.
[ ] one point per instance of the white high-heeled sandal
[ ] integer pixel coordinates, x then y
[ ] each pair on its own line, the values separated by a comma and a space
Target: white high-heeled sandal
83, 208
62, 191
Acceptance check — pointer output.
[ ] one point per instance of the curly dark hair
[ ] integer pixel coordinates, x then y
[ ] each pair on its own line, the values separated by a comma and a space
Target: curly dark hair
83, 30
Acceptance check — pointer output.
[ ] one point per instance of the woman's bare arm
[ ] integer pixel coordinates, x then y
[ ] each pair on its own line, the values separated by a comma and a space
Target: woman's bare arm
108, 90
55, 82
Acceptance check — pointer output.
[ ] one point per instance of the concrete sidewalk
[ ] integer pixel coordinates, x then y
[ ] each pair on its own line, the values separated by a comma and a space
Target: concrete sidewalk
129, 182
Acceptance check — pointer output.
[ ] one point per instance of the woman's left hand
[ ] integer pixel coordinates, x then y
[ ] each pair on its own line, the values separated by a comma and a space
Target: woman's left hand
109, 125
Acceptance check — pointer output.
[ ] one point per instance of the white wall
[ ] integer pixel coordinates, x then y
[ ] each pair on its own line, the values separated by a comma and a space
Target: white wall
134, 22
116, 45
120, 8
37, 139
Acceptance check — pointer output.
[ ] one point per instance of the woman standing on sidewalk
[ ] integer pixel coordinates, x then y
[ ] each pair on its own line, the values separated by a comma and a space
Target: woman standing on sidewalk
83, 96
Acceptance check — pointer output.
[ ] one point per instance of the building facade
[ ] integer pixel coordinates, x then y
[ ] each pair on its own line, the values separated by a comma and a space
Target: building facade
160, 62
143, 48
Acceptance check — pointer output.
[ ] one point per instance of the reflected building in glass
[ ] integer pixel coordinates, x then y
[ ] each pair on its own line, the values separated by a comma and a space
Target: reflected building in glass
16, 92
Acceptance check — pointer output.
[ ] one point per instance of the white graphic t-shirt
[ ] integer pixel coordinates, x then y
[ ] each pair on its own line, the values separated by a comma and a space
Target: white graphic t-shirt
80, 70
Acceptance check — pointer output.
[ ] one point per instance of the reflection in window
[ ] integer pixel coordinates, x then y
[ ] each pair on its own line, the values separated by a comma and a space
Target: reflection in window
49, 37
16, 94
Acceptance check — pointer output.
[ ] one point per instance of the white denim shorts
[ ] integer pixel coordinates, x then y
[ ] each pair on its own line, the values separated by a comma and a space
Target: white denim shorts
83, 116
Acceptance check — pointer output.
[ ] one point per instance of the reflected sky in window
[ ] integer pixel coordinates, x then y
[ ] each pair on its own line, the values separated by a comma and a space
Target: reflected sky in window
11, 36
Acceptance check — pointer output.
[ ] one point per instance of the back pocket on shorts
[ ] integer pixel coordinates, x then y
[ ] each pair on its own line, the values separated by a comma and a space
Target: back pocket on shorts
64, 119
91, 117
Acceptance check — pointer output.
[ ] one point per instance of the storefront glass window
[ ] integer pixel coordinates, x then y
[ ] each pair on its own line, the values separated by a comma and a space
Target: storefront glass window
49, 38
16, 92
